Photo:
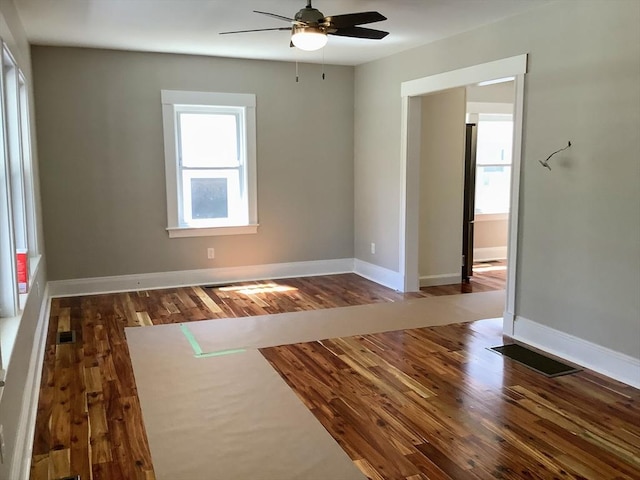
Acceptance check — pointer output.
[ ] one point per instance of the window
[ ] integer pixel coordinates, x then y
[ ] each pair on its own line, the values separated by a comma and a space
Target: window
210, 163
18, 226
17, 203
493, 163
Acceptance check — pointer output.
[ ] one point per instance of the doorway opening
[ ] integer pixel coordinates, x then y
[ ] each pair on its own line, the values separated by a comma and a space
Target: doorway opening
411, 93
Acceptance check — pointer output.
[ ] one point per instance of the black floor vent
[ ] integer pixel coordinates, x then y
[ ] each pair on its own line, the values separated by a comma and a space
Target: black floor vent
535, 361
63, 338
74, 477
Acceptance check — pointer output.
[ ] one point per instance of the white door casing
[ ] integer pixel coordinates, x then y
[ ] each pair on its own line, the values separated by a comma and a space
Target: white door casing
410, 164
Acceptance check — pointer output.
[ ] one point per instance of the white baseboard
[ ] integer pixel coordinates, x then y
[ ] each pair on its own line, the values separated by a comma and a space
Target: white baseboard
21, 464
488, 254
381, 275
209, 276
616, 365
443, 279
508, 323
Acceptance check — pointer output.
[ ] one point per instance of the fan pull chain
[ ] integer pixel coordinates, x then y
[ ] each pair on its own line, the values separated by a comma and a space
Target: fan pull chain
297, 78
323, 64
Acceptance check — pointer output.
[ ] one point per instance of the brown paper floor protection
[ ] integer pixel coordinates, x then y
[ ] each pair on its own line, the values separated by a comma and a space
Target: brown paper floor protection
232, 416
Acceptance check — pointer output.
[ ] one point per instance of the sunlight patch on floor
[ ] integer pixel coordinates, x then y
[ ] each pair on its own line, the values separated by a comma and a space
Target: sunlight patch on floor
485, 267
260, 288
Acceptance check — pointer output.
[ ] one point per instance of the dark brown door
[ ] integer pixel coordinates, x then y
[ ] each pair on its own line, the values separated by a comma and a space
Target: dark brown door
469, 201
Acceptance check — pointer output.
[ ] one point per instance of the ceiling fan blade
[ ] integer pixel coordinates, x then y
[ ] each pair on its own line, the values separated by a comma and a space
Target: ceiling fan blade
359, 32
352, 19
258, 30
274, 15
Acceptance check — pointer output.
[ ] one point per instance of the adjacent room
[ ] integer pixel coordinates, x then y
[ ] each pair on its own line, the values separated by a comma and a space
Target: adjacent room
284, 239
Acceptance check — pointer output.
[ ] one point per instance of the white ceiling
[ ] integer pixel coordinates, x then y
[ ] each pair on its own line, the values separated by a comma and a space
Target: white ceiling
193, 26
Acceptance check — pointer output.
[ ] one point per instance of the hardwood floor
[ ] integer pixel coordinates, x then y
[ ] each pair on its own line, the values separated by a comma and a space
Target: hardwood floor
89, 420
486, 276
433, 403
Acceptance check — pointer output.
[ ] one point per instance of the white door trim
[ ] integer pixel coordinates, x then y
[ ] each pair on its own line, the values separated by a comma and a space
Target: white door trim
410, 164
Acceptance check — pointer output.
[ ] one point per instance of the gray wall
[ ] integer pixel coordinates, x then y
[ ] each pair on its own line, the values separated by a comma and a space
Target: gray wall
579, 260
20, 372
441, 185
99, 128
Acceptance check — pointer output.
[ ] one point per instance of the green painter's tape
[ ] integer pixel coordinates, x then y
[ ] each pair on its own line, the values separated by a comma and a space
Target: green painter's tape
197, 350
221, 352
191, 339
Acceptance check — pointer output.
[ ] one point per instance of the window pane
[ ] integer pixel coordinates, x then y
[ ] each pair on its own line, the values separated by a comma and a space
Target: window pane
212, 197
209, 198
15, 152
495, 140
493, 189
32, 236
208, 140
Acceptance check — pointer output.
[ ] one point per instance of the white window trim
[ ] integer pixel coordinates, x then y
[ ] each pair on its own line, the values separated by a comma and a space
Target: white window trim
182, 232
170, 100
18, 225
21, 153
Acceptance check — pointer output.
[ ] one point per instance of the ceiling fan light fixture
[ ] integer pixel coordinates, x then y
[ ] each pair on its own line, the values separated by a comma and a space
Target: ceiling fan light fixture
309, 38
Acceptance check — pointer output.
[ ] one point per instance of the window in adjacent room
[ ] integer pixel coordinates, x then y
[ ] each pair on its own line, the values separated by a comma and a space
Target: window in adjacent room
210, 163
493, 163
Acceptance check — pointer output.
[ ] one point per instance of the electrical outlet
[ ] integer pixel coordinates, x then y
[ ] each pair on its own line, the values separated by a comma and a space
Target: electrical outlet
211, 253
373, 248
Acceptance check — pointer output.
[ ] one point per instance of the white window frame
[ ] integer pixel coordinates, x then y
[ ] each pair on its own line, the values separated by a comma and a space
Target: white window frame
17, 206
27, 165
8, 283
18, 219
175, 102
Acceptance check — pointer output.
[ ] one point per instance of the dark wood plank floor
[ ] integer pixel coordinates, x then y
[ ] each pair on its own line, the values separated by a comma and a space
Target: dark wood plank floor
89, 420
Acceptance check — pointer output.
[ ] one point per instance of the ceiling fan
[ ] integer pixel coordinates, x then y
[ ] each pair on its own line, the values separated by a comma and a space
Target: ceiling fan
309, 27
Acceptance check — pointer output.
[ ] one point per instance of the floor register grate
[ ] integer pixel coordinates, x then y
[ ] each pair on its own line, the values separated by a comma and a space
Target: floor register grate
63, 338
534, 360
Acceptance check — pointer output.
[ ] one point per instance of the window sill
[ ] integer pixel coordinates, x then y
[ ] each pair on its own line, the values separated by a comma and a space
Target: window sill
9, 325
182, 232
490, 217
